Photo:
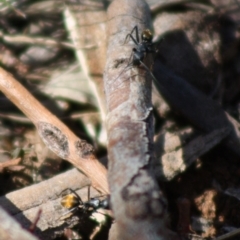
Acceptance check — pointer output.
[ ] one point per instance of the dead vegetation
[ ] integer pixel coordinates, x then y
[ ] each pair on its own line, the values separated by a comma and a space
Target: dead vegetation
69, 93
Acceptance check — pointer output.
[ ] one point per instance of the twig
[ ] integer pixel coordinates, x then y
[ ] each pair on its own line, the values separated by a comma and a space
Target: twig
24, 204
22, 39
87, 25
139, 206
174, 162
35, 222
15, 117
54, 133
11, 230
9, 163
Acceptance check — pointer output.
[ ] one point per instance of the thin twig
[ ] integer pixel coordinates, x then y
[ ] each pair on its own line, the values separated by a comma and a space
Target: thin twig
9, 163
10, 229
54, 133
24, 204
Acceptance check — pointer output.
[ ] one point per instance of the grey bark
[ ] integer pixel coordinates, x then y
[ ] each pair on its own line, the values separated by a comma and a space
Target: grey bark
138, 204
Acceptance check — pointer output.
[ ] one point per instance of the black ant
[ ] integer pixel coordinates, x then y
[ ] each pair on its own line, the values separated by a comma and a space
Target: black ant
142, 48
74, 203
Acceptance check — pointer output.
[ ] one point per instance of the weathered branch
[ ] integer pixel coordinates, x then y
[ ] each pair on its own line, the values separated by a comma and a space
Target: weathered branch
86, 23
9, 163
25, 203
22, 39
11, 230
180, 157
139, 206
54, 133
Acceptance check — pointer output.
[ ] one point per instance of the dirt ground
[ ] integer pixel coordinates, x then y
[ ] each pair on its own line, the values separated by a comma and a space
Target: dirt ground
35, 47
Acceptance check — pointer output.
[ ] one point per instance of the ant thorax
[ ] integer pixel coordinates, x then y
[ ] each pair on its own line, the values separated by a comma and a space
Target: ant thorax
140, 51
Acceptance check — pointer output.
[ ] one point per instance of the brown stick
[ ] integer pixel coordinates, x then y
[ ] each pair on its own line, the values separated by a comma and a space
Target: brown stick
176, 161
138, 205
9, 163
11, 230
24, 204
54, 133
33, 196
86, 23
22, 39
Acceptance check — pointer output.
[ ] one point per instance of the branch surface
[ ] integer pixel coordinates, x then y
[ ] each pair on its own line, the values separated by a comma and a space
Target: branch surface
180, 156
11, 230
139, 206
86, 23
24, 204
57, 136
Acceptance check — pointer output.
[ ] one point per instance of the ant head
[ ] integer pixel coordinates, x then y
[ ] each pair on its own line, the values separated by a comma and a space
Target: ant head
147, 36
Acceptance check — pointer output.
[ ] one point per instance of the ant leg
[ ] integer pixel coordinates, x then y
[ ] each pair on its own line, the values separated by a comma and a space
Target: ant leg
135, 40
68, 214
144, 65
131, 36
126, 38
129, 64
136, 30
130, 58
125, 69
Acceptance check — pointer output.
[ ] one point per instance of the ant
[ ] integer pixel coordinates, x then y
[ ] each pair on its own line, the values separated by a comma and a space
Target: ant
73, 203
142, 48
